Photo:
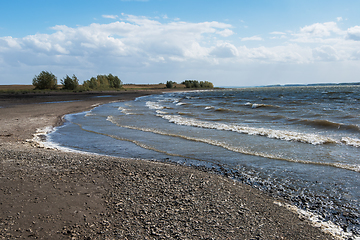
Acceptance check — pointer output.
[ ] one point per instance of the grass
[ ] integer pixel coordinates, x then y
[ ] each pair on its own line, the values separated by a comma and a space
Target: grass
16, 89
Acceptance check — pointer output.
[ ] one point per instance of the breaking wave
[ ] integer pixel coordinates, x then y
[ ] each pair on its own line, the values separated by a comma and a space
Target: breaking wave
237, 149
270, 133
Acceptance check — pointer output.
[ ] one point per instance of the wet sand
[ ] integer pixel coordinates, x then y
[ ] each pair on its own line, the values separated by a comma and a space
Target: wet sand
49, 194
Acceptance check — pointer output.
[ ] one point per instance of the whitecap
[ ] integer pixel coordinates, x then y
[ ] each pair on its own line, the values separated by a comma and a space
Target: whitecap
270, 133
125, 111
154, 105
351, 141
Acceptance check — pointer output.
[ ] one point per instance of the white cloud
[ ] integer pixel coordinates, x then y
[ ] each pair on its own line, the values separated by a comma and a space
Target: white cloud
253, 38
110, 16
320, 29
317, 32
224, 50
137, 45
339, 19
225, 33
353, 33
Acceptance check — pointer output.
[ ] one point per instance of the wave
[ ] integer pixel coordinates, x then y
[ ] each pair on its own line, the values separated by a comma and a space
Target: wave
126, 111
318, 221
185, 113
154, 105
259, 105
351, 141
270, 133
237, 149
180, 103
329, 124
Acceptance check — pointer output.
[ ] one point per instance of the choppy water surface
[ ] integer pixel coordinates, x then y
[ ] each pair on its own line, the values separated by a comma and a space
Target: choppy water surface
299, 143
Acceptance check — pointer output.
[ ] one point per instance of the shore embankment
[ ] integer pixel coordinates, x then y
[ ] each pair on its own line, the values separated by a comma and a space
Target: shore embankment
50, 194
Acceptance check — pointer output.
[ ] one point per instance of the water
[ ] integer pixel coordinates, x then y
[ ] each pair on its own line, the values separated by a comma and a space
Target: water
298, 143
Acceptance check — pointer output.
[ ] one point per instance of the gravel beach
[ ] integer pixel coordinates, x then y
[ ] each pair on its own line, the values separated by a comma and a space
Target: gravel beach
50, 194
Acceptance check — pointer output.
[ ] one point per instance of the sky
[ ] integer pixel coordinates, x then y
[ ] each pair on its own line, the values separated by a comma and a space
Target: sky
228, 42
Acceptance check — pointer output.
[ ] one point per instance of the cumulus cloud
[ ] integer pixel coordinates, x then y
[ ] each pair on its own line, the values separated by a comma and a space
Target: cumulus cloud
138, 43
353, 33
225, 33
137, 37
224, 50
317, 32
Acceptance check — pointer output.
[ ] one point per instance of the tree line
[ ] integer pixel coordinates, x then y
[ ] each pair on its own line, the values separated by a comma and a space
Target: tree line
47, 80
191, 84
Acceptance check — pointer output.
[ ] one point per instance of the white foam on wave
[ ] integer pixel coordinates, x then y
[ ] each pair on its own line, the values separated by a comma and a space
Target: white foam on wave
258, 105
317, 221
154, 105
42, 140
180, 103
210, 107
160, 112
351, 141
270, 133
125, 111
40, 137
237, 149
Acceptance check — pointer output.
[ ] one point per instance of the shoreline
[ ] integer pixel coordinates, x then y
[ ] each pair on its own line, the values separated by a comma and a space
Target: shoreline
53, 194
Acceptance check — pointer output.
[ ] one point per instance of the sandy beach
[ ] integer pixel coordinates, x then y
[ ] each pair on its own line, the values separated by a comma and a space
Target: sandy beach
50, 194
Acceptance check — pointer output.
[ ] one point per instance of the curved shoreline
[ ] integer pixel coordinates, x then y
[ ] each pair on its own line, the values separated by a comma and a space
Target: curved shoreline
52, 194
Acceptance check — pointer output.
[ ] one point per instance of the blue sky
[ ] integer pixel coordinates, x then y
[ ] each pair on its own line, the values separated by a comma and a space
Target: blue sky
230, 43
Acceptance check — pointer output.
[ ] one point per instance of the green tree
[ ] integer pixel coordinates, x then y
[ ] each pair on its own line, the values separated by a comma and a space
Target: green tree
206, 84
197, 84
169, 84
45, 80
70, 83
102, 82
114, 81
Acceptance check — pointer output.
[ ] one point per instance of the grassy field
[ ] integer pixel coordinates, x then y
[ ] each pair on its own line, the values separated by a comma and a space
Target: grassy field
16, 87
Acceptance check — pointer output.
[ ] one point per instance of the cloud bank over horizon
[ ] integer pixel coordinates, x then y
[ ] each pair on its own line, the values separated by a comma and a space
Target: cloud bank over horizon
141, 49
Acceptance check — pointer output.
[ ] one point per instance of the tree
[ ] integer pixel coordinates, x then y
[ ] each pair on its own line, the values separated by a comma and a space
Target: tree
103, 82
206, 84
169, 84
45, 80
197, 84
114, 81
70, 83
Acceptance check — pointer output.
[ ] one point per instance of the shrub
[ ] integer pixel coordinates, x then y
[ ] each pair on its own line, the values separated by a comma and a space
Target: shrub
197, 84
169, 84
103, 82
206, 84
70, 83
45, 80
114, 81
